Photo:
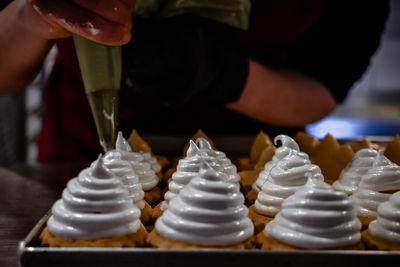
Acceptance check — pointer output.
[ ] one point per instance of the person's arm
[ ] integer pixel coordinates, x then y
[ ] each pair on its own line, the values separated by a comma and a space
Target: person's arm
330, 57
22, 50
282, 98
28, 28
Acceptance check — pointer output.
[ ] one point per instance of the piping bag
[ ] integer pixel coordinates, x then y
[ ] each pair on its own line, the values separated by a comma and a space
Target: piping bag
101, 65
101, 69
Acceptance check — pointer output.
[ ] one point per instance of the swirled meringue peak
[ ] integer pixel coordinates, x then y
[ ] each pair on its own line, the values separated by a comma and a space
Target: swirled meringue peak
186, 170
208, 211
229, 168
141, 166
94, 205
123, 145
124, 170
387, 226
287, 145
376, 185
284, 179
316, 217
350, 177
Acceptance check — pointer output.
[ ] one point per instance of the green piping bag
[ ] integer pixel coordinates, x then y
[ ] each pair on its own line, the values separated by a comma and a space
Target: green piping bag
101, 69
101, 65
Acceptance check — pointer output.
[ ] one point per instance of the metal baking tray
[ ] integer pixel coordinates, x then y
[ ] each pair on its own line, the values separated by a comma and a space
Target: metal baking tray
31, 253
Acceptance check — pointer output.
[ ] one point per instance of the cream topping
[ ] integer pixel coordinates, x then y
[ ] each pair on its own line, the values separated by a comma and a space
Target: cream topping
147, 176
229, 168
186, 169
94, 205
387, 226
350, 177
152, 161
287, 145
316, 217
285, 178
123, 145
383, 176
130, 180
208, 211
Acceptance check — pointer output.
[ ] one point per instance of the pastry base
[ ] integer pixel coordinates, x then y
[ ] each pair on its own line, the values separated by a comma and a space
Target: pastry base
163, 161
244, 164
247, 179
153, 196
157, 212
365, 221
136, 239
268, 243
168, 175
374, 243
259, 221
156, 240
252, 196
146, 213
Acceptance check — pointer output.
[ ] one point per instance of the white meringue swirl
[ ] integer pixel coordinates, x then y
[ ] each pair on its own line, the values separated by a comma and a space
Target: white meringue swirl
316, 217
94, 205
350, 177
383, 176
147, 176
130, 180
228, 167
285, 178
186, 169
387, 226
208, 211
287, 145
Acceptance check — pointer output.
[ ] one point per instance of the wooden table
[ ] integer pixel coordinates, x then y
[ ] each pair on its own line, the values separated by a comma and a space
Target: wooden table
26, 194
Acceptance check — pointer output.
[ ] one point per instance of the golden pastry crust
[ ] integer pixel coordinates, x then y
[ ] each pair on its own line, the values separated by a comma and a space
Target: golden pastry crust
252, 196
168, 175
158, 241
365, 143
259, 220
136, 239
307, 143
332, 158
262, 149
157, 212
247, 179
154, 196
268, 243
146, 213
261, 142
137, 143
365, 221
375, 243
163, 161
265, 156
160, 177
243, 164
392, 150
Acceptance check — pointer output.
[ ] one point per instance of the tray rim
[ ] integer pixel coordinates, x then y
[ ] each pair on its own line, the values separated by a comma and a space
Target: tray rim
24, 247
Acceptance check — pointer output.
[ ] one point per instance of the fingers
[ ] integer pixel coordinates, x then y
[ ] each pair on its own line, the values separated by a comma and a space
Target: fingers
114, 11
86, 22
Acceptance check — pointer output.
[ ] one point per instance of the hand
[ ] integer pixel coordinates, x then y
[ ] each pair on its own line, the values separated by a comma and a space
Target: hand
178, 60
104, 21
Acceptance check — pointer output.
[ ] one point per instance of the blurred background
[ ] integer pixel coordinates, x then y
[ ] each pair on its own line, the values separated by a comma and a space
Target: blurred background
371, 109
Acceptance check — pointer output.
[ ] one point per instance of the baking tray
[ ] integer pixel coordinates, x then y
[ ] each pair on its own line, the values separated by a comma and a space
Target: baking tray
32, 254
